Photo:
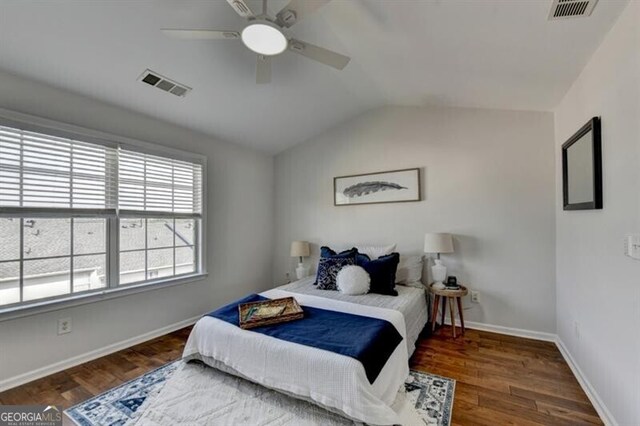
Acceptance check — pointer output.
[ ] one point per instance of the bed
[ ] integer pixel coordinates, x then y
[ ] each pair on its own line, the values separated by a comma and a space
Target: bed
336, 382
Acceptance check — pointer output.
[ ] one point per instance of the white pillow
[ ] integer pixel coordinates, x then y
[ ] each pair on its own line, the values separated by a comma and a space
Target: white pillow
375, 252
353, 280
409, 270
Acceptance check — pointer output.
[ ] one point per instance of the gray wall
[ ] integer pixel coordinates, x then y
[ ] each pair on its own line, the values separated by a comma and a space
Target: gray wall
488, 178
239, 235
598, 288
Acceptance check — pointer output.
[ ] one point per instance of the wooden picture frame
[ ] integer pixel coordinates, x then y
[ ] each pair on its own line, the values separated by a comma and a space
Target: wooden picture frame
393, 186
582, 168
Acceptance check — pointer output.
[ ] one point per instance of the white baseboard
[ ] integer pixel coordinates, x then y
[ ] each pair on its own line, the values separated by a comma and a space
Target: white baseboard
21, 379
593, 396
518, 332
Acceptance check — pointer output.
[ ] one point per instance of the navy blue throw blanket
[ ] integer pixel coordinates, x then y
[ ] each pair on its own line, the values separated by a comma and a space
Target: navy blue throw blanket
369, 340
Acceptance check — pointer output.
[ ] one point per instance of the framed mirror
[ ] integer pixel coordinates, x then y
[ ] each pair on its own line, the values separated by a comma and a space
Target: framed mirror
582, 168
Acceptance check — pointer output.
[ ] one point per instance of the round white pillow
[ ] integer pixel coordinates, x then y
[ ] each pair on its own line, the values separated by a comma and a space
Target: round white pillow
353, 280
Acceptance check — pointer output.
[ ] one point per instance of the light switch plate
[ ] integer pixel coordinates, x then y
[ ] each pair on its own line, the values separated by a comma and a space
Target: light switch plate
632, 246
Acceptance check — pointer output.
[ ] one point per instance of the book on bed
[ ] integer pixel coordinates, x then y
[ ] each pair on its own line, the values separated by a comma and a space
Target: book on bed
268, 312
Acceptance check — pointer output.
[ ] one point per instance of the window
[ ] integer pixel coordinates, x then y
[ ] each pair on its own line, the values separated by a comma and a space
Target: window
78, 217
156, 247
159, 199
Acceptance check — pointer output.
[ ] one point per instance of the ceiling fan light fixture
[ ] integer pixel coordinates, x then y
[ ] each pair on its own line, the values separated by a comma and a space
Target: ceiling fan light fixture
264, 38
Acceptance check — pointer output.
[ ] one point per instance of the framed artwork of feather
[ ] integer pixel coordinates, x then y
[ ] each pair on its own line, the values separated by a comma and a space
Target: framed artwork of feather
394, 186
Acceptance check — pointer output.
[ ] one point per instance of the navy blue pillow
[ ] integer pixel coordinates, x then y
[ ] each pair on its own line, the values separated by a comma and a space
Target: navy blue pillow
327, 253
382, 272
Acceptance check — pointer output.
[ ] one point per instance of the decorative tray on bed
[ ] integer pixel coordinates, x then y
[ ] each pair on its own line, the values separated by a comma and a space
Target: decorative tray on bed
267, 312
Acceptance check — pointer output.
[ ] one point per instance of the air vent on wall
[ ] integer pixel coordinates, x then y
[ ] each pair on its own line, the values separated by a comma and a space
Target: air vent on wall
154, 79
563, 9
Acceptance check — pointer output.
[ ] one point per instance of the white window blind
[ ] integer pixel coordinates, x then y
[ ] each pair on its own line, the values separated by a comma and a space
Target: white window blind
38, 170
148, 183
44, 171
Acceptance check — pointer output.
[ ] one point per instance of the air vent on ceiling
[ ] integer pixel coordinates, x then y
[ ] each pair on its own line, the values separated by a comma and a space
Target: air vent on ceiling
154, 79
563, 9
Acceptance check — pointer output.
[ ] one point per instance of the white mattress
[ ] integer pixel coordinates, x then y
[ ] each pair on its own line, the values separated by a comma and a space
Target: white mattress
333, 381
410, 301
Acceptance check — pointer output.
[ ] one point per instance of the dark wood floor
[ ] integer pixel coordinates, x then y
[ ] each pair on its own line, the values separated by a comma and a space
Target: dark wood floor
501, 380
505, 380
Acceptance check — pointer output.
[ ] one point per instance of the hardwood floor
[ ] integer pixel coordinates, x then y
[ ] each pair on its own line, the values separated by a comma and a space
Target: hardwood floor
505, 380
76, 384
501, 380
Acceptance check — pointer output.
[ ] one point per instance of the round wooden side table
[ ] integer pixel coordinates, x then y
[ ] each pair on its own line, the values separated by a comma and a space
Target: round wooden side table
448, 297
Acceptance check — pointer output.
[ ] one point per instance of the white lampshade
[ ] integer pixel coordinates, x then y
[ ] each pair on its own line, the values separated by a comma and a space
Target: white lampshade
299, 249
438, 243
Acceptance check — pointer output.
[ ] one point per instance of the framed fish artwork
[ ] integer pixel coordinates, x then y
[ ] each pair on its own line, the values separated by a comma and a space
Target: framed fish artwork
394, 186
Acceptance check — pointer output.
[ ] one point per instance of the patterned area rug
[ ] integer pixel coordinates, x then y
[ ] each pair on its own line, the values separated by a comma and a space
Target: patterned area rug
432, 396
119, 405
142, 400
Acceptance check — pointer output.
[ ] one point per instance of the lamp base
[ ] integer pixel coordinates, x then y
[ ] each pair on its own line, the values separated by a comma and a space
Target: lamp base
301, 271
438, 273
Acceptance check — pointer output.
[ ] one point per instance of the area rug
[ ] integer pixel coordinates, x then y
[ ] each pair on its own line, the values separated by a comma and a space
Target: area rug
197, 395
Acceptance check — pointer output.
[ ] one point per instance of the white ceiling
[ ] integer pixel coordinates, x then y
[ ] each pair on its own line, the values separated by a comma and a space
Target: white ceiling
479, 53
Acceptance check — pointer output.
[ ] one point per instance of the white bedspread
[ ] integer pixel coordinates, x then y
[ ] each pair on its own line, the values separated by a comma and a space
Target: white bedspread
336, 382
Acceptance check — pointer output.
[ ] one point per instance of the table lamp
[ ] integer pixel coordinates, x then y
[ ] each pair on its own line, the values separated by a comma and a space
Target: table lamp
438, 243
300, 249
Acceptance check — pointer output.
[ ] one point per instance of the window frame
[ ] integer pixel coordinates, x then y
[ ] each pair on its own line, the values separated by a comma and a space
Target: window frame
197, 242
113, 288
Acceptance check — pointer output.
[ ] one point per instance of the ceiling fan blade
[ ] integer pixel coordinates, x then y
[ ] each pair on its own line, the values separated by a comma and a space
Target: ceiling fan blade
297, 10
241, 8
263, 69
319, 54
200, 34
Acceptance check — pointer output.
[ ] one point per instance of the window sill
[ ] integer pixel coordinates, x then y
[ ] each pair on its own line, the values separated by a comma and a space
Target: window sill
99, 296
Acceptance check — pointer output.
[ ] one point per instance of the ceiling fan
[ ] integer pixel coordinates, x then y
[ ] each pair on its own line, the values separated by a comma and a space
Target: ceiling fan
269, 37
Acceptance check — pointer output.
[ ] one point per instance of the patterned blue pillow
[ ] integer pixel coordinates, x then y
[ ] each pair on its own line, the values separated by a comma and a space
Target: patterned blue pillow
382, 272
328, 269
327, 253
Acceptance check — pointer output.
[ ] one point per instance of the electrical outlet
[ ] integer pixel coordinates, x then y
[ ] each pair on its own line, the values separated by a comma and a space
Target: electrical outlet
475, 297
64, 326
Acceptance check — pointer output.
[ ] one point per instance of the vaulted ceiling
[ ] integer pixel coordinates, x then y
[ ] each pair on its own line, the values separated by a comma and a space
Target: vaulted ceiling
478, 53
